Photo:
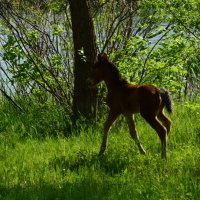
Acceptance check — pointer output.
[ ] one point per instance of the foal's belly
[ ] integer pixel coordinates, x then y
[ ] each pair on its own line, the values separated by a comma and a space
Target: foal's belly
131, 106
123, 105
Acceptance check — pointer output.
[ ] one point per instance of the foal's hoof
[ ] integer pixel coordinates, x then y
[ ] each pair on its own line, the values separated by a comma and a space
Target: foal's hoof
164, 156
143, 152
101, 153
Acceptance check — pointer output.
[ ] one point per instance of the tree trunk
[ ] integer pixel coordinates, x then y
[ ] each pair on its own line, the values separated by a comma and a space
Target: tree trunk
85, 98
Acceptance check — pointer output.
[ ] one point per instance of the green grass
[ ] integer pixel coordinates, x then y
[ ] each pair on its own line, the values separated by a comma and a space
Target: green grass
55, 167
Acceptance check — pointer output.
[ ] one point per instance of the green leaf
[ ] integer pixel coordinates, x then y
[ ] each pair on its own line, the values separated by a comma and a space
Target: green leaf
57, 30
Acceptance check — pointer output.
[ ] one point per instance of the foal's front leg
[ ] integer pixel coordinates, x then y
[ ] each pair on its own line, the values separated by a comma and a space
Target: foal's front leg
110, 120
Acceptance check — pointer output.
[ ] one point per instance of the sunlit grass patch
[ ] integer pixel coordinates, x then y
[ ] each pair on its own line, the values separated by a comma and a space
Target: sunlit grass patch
58, 167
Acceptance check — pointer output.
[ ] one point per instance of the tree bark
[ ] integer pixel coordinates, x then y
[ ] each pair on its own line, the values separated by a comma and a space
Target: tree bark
85, 98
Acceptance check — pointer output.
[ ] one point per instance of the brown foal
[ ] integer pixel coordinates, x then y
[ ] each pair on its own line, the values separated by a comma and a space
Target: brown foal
127, 99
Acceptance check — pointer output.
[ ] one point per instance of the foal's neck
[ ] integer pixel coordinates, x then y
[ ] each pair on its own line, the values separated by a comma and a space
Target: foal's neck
113, 78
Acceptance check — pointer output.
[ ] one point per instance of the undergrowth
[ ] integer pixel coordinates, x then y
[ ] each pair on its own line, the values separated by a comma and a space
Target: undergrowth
38, 161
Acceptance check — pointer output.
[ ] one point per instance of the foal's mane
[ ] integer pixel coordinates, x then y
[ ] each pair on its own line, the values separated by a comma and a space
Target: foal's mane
116, 74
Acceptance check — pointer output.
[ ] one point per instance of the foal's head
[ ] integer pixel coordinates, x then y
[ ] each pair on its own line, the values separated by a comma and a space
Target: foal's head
104, 70
98, 71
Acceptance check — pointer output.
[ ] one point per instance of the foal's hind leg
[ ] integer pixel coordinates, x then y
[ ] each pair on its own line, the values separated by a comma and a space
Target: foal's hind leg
133, 132
161, 131
165, 121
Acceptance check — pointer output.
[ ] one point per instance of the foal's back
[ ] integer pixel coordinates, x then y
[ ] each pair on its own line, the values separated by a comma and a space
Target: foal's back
137, 98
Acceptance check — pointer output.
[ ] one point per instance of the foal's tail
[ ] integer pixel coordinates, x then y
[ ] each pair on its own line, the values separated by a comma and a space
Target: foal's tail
166, 99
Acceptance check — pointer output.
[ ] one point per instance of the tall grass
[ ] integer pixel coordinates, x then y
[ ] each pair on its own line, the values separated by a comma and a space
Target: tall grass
38, 162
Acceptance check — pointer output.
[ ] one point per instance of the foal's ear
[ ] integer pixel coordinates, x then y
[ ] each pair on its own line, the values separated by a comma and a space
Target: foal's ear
99, 57
102, 57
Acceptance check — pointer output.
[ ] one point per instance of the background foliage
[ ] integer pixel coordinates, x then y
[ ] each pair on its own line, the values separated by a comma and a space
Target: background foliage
150, 41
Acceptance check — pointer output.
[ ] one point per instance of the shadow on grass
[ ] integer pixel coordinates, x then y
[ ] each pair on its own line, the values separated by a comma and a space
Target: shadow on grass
87, 186
84, 190
111, 165
91, 182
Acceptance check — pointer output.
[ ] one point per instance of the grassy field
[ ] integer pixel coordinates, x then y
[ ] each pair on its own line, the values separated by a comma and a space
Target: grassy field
55, 167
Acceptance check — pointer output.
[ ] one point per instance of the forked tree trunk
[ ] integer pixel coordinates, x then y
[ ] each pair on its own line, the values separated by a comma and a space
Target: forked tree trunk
85, 98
